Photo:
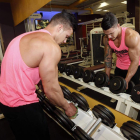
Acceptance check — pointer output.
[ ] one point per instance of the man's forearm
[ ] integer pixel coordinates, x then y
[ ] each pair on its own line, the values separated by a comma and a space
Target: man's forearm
132, 70
55, 95
107, 71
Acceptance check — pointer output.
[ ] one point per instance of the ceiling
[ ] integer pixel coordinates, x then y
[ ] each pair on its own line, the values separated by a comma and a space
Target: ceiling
84, 7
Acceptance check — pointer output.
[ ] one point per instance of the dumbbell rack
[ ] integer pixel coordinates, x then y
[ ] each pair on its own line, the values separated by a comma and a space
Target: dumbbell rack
120, 105
124, 105
86, 121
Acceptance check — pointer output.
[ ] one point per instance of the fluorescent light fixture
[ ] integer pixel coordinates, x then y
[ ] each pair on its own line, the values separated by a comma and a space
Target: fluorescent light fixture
99, 10
103, 4
124, 2
105, 10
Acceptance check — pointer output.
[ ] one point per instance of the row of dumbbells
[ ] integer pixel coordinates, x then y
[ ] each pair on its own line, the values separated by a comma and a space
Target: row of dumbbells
99, 111
117, 84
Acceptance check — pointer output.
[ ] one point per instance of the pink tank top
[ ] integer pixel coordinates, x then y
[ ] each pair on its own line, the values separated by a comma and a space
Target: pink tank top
17, 81
123, 59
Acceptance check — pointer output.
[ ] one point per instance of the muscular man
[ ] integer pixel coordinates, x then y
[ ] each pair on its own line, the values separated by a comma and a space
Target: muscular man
125, 42
30, 57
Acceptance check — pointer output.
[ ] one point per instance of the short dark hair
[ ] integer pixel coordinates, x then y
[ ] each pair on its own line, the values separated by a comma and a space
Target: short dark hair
109, 20
65, 18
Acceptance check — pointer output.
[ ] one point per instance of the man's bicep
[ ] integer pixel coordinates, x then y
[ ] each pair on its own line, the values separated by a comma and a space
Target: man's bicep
46, 68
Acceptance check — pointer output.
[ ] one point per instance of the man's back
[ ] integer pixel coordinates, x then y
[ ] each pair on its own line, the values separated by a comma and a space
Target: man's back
21, 73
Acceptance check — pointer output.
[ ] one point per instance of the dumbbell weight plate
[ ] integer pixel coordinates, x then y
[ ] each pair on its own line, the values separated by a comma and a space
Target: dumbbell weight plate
63, 119
61, 67
100, 114
135, 94
66, 93
130, 87
107, 110
101, 79
80, 134
69, 69
106, 113
48, 107
82, 99
89, 76
130, 133
117, 85
40, 95
80, 103
132, 126
78, 72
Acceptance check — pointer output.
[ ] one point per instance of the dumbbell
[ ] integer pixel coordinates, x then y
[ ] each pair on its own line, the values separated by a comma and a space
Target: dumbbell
45, 103
135, 93
80, 134
89, 76
69, 69
61, 118
78, 72
80, 100
40, 95
66, 93
61, 67
101, 79
131, 130
105, 114
118, 85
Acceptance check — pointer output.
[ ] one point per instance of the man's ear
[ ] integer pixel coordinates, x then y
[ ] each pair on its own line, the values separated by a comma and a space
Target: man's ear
60, 28
118, 25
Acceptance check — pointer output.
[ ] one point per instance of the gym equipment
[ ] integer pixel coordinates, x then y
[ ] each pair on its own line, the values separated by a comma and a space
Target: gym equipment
79, 134
131, 130
71, 61
66, 92
101, 79
118, 85
61, 67
96, 67
132, 125
45, 103
102, 112
69, 58
48, 106
63, 119
135, 94
69, 69
40, 95
80, 100
89, 76
78, 72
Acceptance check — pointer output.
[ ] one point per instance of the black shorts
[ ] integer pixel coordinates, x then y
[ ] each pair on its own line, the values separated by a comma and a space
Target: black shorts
27, 122
123, 73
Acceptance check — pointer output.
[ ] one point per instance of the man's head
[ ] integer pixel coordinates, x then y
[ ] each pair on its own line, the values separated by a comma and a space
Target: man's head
65, 23
110, 25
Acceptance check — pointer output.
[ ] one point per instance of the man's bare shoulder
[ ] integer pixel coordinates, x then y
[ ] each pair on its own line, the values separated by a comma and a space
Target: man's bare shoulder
35, 46
132, 38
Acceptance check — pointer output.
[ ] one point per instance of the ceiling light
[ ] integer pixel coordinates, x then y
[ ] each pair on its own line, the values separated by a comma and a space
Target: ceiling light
105, 10
99, 10
124, 2
103, 4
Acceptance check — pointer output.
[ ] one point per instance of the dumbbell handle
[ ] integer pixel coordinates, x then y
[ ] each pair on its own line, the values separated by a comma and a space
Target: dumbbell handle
93, 127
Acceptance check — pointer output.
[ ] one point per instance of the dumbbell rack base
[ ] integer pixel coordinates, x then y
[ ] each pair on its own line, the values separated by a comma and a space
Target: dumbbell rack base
85, 120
